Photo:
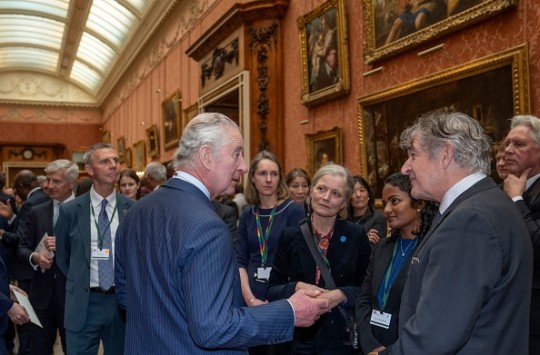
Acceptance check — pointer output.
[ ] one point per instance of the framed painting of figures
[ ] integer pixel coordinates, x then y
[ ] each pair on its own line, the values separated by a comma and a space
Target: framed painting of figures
323, 147
491, 90
324, 53
393, 26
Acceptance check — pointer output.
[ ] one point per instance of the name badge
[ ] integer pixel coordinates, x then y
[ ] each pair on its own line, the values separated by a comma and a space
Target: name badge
263, 273
100, 254
380, 319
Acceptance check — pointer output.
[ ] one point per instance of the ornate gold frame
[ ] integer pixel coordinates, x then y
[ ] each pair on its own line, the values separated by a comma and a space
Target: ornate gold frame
372, 53
311, 97
121, 148
515, 60
139, 159
172, 125
323, 141
152, 136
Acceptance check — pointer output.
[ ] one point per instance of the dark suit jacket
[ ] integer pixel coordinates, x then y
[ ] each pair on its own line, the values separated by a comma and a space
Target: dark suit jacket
21, 270
177, 276
229, 215
469, 282
348, 255
73, 238
42, 288
372, 336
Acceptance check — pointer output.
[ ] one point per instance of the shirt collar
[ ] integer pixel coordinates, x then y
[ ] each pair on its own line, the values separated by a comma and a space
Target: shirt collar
457, 189
531, 181
71, 197
96, 198
182, 175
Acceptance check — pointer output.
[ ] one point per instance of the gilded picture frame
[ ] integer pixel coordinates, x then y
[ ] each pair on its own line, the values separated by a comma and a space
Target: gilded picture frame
323, 147
491, 89
121, 148
128, 158
172, 128
324, 53
390, 28
106, 137
139, 156
152, 136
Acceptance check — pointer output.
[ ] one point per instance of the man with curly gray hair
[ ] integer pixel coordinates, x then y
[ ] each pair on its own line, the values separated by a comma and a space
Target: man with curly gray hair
469, 279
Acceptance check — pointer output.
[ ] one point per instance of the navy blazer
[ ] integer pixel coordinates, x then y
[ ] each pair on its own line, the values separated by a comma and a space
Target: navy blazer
469, 282
177, 277
372, 336
73, 238
348, 254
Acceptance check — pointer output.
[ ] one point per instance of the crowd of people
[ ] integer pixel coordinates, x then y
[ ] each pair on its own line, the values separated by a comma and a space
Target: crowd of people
181, 261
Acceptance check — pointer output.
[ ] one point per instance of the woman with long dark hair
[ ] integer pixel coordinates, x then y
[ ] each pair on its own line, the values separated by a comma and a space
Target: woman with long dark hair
362, 210
377, 310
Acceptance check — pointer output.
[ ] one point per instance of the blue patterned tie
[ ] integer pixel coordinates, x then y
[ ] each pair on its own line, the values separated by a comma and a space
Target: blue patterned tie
105, 267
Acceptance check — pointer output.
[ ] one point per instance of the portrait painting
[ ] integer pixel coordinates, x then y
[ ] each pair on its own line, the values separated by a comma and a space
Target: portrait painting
128, 158
139, 151
324, 53
152, 137
393, 26
172, 128
323, 147
121, 147
78, 158
491, 90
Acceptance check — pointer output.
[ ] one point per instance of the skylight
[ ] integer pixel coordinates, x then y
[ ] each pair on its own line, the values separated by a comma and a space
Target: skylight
79, 40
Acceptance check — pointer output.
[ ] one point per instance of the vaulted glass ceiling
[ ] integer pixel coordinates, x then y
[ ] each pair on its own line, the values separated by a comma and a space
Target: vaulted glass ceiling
77, 40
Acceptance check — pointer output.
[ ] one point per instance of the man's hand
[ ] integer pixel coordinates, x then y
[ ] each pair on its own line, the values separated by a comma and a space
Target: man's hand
376, 350
18, 314
15, 288
5, 210
334, 297
44, 261
307, 308
515, 186
305, 286
50, 243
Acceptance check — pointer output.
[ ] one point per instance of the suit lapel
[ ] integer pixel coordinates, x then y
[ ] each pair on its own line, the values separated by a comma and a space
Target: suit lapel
83, 219
483, 184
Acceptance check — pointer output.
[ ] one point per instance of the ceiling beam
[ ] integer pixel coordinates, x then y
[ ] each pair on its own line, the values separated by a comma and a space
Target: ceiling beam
77, 14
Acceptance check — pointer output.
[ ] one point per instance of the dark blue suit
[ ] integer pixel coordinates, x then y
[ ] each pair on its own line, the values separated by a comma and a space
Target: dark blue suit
177, 276
5, 305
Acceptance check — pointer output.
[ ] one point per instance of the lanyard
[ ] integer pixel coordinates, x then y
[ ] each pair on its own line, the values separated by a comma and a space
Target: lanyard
263, 237
101, 237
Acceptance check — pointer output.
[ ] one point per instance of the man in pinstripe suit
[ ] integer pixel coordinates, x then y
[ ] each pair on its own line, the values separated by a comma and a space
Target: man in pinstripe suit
176, 274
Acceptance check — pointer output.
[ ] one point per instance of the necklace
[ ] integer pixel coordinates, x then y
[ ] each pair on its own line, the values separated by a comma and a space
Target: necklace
408, 246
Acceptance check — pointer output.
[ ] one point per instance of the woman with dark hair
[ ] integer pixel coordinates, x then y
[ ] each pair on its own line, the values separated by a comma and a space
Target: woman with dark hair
362, 210
298, 182
130, 184
260, 226
377, 310
345, 250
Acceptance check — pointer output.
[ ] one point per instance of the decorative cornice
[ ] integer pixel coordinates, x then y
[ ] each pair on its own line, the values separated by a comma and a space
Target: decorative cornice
238, 14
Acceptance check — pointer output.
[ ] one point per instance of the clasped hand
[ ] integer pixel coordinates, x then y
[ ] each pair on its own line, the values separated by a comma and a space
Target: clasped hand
334, 297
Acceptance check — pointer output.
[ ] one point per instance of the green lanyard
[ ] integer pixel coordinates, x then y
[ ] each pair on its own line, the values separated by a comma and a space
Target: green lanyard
263, 238
101, 237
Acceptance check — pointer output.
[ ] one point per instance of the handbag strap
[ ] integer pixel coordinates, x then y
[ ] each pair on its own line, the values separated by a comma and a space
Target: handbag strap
325, 272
